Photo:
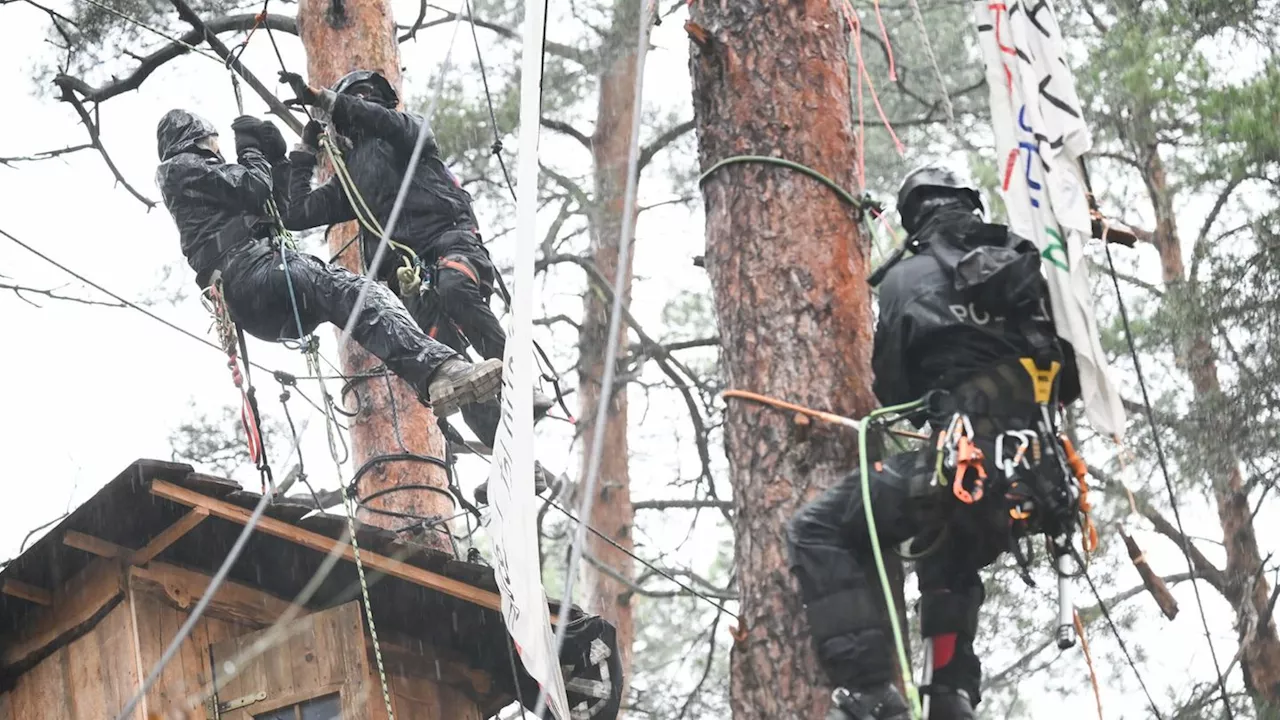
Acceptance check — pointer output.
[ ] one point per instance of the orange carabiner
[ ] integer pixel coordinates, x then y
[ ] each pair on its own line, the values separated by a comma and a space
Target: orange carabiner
968, 455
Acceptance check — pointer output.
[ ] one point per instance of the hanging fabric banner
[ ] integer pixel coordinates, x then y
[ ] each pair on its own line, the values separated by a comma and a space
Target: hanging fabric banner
513, 521
1040, 136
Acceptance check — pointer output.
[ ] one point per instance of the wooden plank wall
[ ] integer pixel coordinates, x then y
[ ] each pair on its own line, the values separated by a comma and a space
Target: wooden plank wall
88, 679
320, 654
94, 676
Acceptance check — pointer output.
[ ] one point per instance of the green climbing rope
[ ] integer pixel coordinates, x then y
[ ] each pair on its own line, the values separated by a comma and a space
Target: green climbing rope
843, 194
913, 694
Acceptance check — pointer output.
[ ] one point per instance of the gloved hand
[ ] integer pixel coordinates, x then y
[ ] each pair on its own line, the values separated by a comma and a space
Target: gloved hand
261, 135
311, 134
248, 134
304, 94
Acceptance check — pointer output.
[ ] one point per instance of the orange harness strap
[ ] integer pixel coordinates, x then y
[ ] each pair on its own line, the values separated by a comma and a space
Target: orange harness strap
459, 263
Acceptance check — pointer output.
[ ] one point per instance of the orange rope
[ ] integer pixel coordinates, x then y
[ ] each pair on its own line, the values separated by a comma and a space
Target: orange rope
810, 412
784, 405
1088, 658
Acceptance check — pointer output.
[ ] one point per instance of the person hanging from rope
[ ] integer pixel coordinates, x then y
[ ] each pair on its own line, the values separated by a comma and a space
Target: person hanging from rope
436, 229
958, 323
228, 237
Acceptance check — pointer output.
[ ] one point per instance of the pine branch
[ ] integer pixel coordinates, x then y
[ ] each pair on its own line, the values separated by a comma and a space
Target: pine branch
211, 37
152, 62
45, 155
565, 128
560, 50
95, 139
662, 141
53, 295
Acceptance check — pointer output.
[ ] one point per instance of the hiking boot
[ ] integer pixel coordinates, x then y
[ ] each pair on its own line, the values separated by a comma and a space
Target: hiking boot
879, 702
542, 479
948, 704
457, 382
542, 404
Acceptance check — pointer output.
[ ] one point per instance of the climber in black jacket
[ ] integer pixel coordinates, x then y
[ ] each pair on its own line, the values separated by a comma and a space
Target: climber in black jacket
436, 221
221, 210
955, 320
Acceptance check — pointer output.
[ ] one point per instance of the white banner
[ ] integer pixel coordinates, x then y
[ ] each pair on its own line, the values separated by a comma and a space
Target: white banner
512, 520
1040, 135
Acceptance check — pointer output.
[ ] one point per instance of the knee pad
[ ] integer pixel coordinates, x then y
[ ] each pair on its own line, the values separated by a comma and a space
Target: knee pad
946, 612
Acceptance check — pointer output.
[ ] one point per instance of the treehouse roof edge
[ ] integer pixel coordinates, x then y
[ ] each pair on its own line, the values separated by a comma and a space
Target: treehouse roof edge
157, 510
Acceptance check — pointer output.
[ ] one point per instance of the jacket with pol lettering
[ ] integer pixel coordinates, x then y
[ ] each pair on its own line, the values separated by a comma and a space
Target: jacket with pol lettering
972, 296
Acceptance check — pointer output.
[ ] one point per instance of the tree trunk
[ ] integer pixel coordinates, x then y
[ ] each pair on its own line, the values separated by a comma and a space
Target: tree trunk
787, 264
611, 512
341, 36
1246, 586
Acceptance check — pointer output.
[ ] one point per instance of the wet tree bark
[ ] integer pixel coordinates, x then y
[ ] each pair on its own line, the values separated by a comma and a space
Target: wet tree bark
610, 574
341, 36
787, 265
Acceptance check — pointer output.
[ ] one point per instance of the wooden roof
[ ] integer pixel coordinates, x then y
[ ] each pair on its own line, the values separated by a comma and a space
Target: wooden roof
156, 510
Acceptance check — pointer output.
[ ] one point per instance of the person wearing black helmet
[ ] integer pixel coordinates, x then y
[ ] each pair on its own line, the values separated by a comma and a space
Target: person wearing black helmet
226, 232
955, 320
436, 220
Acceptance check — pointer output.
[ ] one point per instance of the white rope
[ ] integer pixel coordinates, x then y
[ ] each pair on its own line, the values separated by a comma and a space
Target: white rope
611, 348
933, 60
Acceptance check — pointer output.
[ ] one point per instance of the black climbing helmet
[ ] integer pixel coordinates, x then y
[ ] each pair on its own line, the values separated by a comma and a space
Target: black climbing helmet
370, 85
930, 181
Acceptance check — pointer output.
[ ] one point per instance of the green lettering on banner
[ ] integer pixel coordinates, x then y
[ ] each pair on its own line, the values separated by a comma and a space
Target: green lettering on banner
1056, 244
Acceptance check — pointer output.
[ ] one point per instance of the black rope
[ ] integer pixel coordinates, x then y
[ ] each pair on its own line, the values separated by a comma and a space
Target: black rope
118, 298
400, 488
644, 562
493, 117
1106, 614
392, 457
1168, 483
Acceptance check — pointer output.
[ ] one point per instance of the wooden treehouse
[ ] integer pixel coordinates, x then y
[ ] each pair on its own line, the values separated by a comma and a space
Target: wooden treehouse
87, 611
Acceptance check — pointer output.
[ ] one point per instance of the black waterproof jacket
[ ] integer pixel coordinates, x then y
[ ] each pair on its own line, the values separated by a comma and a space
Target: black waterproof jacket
216, 205
382, 141
972, 296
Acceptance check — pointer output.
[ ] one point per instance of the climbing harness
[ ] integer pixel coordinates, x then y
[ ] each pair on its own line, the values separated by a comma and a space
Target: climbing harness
409, 274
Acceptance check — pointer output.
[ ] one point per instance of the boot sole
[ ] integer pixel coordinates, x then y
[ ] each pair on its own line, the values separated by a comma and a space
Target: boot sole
481, 384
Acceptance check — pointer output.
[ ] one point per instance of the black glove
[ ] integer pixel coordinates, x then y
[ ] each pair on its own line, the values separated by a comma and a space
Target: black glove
304, 94
274, 145
248, 133
260, 135
311, 134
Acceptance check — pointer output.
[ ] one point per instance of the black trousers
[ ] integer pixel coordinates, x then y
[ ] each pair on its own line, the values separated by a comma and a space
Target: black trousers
831, 557
257, 294
455, 311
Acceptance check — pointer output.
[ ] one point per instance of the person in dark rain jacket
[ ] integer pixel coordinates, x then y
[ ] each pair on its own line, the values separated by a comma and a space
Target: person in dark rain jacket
955, 318
436, 220
220, 209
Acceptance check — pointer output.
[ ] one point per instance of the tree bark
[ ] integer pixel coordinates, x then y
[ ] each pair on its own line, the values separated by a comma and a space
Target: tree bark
787, 264
1246, 586
611, 512
341, 36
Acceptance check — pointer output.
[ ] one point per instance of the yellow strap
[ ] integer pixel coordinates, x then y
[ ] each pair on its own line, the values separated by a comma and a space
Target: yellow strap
1042, 378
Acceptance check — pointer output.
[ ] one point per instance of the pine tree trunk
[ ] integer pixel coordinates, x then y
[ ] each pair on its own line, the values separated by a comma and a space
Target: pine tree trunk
787, 265
341, 36
611, 512
1246, 588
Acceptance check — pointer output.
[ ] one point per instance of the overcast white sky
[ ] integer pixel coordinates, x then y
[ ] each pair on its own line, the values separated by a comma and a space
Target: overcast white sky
92, 389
